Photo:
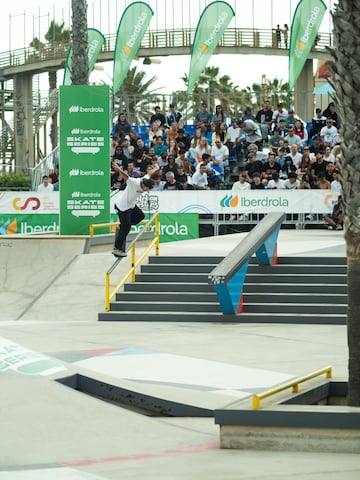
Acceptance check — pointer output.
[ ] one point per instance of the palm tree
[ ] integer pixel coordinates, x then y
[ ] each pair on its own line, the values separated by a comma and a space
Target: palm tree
135, 97
213, 89
80, 62
346, 82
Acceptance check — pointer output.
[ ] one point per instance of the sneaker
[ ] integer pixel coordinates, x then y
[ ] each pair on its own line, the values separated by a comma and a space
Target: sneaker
309, 217
119, 253
330, 227
339, 227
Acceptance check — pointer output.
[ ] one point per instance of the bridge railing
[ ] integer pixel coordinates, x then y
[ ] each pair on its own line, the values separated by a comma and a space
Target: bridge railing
180, 38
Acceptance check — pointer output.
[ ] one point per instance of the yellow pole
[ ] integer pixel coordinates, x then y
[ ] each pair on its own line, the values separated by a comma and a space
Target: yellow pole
133, 263
157, 234
107, 292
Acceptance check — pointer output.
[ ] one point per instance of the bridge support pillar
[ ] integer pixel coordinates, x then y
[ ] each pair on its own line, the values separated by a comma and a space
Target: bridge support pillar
23, 116
304, 99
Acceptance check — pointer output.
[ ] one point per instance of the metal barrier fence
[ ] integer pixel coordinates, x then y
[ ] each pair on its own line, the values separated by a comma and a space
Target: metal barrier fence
233, 223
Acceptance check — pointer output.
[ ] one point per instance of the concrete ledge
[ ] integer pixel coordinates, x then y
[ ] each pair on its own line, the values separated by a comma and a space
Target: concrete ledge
336, 440
314, 420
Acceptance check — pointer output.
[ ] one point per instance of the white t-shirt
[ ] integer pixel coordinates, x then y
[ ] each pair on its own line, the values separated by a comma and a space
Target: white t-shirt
238, 186
45, 189
280, 184
233, 133
199, 179
328, 134
219, 154
129, 196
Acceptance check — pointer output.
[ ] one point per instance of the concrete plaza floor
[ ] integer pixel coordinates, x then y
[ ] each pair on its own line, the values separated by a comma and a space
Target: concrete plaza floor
50, 297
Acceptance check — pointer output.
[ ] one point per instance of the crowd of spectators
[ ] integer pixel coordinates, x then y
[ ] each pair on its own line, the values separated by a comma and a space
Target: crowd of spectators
268, 149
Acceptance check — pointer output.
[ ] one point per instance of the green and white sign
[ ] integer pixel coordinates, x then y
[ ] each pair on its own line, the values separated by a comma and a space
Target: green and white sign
175, 227
84, 157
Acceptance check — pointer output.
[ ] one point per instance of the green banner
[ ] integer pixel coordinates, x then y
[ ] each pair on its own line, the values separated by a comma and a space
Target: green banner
176, 226
131, 29
28, 224
95, 42
84, 157
211, 26
304, 28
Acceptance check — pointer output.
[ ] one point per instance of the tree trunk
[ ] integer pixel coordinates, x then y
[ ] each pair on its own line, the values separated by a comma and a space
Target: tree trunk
80, 62
346, 81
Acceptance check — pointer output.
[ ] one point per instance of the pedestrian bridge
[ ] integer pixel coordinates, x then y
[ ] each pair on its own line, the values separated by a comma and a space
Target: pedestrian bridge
242, 41
17, 68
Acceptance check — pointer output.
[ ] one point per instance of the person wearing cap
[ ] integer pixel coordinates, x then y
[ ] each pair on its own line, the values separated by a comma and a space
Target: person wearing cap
279, 114
174, 116
317, 122
290, 119
248, 115
128, 212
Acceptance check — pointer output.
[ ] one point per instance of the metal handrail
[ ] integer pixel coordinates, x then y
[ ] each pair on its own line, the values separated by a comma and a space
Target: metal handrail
294, 384
181, 38
134, 263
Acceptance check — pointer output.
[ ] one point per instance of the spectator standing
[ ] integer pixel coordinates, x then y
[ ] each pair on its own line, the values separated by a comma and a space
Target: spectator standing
279, 114
264, 119
174, 116
122, 125
330, 112
317, 123
203, 118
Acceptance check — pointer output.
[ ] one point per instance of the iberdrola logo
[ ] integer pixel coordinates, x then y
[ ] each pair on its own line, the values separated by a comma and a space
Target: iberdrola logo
299, 48
203, 50
9, 227
229, 201
125, 52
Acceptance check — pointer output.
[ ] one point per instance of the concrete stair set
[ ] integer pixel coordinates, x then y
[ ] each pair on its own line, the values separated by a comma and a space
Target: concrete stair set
309, 290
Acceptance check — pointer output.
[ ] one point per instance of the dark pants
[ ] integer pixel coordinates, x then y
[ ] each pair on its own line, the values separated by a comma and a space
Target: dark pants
133, 216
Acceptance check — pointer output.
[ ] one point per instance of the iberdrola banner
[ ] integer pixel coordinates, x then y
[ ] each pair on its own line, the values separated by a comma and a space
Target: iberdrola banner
95, 42
211, 26
131, 30
304, 28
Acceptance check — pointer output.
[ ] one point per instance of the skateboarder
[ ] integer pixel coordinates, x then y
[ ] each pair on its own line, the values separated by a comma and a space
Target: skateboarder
129, 213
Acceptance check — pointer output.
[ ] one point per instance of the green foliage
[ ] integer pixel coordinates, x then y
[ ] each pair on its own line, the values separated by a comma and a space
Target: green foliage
136, 98
14, 181
36, 44
56, 33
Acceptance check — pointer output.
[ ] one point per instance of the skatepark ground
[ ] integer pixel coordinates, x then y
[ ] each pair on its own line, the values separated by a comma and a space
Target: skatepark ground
51, 294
